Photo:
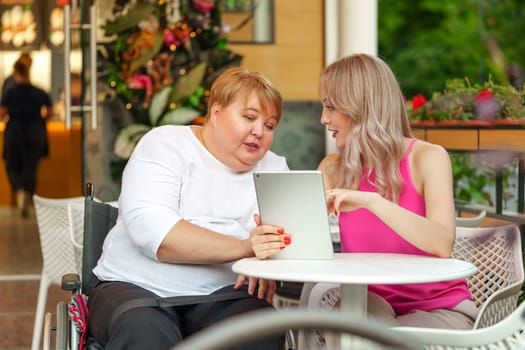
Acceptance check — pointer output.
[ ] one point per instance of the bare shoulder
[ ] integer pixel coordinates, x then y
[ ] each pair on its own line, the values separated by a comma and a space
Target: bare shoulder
328, 162
429, 153
430, 163
328, 167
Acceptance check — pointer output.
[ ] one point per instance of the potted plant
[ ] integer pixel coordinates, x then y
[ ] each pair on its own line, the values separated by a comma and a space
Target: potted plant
464, 103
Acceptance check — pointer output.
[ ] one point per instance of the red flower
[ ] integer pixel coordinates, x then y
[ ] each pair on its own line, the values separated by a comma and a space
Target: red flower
483, 95
418, 101
176, 36
487, 106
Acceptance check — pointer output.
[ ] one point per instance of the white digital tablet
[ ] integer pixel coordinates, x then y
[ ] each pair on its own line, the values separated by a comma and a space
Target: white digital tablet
295, 201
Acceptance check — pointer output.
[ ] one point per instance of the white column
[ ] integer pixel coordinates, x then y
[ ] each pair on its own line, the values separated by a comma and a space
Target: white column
331, 31
350, 27
262, 22
357, 27
331, 51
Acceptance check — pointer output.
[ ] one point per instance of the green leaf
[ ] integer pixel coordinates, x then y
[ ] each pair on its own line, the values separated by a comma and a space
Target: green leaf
127, 139
179, 116
137, 13
158, 104
147, 53
186, 84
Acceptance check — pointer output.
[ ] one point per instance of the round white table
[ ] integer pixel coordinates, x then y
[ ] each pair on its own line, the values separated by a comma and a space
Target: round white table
355, 271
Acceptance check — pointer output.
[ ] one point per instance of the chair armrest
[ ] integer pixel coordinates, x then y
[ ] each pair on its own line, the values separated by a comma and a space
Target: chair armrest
499, 305
506, 334
71, 281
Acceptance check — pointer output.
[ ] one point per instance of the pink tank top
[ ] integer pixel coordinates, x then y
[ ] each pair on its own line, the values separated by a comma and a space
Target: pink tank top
362, 231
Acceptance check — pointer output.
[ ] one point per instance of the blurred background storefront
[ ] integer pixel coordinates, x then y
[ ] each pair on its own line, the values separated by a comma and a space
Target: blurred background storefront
272, 37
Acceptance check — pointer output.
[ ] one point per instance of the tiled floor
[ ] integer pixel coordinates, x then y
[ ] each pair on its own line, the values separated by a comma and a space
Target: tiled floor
20, 267
19, 244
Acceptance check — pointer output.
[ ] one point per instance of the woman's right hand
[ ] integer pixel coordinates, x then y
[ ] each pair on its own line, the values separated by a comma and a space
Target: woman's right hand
267, 240
340, 199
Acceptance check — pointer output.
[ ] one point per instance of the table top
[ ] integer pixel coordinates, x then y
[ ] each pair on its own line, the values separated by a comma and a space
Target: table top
358, 268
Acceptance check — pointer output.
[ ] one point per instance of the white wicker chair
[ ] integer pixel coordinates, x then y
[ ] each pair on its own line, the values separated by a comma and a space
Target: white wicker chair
75, 214
471, 221
495, 251
508, 334
58, 251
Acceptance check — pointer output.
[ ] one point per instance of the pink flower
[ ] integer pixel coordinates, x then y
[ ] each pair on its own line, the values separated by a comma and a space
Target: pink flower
169, 37
204, 6
418, 101
141, 82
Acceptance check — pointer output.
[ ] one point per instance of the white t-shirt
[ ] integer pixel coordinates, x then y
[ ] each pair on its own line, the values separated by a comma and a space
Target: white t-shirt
171, 176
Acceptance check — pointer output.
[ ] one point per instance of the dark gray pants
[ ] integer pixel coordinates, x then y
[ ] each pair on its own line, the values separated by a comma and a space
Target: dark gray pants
160, 328
24, 145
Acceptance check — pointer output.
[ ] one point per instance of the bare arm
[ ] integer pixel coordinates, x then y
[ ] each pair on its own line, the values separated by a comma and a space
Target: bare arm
3, 112
48, 112
189, 243
434, 233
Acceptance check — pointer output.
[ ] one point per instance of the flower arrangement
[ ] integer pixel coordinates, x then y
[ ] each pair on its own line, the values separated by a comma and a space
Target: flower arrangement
462, 103
488, 103
160, 61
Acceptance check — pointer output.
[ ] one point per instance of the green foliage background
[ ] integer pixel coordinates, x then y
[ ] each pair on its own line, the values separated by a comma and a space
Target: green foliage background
428, 42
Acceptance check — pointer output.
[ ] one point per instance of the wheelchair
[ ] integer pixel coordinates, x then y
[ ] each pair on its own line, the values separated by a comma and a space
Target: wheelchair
70, 330
71, 318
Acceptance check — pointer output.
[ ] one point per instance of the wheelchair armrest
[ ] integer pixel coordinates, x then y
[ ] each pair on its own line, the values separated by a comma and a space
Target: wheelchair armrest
71, 281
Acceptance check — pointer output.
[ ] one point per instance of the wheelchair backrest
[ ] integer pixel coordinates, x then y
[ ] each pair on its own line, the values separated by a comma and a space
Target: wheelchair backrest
99, 218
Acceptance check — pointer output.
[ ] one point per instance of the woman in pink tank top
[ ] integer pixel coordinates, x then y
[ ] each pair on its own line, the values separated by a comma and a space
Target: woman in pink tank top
393, 193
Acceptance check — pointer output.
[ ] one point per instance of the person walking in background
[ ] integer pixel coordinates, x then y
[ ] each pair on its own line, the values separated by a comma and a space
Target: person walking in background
9, 82
392, 192
25, 136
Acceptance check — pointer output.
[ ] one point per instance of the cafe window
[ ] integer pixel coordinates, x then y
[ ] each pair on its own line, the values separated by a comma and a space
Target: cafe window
248, 21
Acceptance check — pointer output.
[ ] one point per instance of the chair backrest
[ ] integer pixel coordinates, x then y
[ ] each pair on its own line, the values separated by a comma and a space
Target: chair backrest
471, 221
58, 252
99, 218
497, 253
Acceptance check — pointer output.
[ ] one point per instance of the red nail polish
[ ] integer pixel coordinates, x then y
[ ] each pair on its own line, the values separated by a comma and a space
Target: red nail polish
282, 247
287, 240
280, 231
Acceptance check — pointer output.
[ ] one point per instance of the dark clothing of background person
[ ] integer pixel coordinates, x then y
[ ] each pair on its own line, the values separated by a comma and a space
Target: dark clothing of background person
25, 136
8, 83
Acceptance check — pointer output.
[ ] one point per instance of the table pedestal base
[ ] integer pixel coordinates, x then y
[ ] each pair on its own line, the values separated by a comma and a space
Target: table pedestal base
353, 302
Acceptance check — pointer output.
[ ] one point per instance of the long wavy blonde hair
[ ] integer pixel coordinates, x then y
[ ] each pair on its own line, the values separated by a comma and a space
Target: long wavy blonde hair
365, 89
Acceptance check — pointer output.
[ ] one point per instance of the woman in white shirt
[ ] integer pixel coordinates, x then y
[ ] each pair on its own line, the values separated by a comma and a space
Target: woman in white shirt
187, 211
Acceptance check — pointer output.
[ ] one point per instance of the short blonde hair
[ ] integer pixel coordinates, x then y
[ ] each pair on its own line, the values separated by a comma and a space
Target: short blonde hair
238, 81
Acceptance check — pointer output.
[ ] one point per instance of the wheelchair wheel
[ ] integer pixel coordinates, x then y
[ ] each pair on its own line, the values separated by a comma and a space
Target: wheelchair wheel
62, 327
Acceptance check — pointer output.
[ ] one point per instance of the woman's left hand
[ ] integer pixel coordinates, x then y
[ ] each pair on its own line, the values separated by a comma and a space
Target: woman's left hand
266, 288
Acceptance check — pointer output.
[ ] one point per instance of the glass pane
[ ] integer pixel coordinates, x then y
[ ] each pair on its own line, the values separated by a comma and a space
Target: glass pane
248, 21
